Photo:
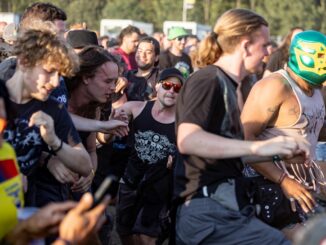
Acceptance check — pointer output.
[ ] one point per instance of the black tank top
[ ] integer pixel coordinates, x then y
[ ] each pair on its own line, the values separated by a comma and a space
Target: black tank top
152, 143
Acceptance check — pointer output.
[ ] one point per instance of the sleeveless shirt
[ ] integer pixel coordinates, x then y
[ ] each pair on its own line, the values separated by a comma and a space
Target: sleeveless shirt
307, 125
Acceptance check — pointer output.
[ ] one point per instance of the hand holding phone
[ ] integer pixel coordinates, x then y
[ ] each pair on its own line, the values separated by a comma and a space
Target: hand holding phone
102, 191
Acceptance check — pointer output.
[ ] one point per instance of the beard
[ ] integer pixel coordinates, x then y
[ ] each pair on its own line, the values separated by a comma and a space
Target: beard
145, 67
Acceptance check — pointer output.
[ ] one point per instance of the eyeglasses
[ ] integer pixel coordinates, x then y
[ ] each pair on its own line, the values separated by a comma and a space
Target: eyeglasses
168, 85
181, 38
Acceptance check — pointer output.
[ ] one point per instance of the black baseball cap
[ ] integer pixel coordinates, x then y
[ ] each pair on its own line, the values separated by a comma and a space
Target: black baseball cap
81, 38
171, 72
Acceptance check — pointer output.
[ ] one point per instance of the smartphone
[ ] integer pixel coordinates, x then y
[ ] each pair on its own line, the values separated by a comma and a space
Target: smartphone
102, 191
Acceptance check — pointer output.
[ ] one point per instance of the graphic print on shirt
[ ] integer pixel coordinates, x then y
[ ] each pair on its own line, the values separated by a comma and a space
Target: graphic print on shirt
152, 147
184, 68
27, 143
314, 118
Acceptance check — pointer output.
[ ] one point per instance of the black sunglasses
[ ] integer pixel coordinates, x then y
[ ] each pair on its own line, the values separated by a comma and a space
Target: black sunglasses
181, 38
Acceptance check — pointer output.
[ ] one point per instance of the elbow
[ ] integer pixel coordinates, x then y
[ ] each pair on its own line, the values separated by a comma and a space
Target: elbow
185, 140
86, 167
183, 146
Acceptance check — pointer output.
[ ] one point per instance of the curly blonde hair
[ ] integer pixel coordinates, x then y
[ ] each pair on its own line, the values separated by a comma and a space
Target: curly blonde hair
43, 46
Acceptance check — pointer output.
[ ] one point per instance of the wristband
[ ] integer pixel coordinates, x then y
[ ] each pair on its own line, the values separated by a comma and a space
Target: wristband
54, 151
276, 158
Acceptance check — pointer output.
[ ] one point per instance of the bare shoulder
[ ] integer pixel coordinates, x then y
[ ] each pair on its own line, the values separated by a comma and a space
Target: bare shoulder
133, 107
272, 86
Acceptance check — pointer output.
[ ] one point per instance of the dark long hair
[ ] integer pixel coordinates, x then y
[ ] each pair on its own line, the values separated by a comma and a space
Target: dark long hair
91, 58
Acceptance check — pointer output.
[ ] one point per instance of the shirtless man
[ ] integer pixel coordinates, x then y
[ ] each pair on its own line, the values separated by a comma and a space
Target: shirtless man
289, 102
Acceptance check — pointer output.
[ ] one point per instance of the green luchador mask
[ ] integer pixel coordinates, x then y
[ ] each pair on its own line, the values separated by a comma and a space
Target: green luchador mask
308, 56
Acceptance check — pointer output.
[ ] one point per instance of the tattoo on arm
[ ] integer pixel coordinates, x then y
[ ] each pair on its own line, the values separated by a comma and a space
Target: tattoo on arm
272, 109
294, 111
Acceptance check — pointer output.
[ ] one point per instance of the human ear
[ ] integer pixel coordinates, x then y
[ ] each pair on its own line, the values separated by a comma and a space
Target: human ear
244, 46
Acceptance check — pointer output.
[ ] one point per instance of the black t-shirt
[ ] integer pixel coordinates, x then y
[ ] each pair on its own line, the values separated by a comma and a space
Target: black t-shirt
208, 99
27, 141
182, 63
141, 88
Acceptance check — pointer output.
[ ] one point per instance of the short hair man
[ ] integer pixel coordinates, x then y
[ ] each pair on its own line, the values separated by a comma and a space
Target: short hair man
210, 139
45, 12
41, 124
141, 82
175, 56
144, 195
128, 41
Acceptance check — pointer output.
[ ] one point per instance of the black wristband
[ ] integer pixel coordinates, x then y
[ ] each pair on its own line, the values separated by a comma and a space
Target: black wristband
276, 158
54, 151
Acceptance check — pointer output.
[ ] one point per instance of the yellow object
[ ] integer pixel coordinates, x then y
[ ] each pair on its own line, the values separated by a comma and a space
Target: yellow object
3, 123
11, 189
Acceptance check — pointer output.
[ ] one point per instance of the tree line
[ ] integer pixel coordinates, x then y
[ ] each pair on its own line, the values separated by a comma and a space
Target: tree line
281, 15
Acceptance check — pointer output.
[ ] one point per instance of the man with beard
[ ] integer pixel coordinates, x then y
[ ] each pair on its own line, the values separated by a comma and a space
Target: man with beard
145, 188
141, 87
142, 81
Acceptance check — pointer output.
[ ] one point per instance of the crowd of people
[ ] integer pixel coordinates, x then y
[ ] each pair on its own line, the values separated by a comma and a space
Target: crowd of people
213, 141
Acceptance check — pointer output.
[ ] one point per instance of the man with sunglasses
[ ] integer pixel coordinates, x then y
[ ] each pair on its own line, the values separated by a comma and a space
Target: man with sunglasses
145, 188
175, 57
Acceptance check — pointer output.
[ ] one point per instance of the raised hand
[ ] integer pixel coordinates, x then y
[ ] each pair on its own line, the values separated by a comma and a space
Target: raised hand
46, 125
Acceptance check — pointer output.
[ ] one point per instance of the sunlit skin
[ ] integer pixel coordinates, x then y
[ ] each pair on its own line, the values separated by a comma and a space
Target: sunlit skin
130, 42
145, 56
168, 98
98, 88
39, 81
178, 46
257, 50
101, 87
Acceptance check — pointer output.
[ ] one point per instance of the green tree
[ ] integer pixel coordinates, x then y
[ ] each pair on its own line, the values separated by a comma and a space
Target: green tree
79, 11
281, 15
127, 9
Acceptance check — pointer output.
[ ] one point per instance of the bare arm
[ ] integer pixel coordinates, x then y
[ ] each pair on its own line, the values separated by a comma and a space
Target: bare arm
124, 113
91, 125
264, 108
193, 140
91, 149
84, 183
69, 155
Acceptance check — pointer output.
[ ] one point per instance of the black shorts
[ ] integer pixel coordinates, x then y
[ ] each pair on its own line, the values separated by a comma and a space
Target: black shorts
129, 215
